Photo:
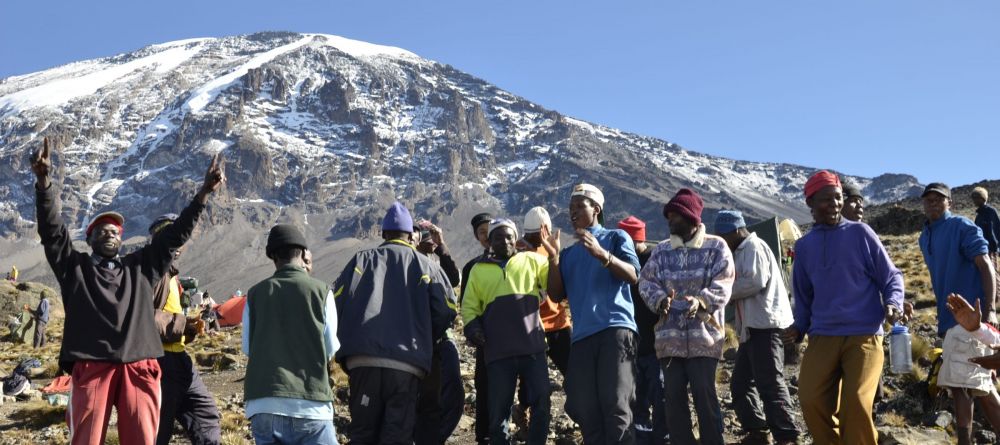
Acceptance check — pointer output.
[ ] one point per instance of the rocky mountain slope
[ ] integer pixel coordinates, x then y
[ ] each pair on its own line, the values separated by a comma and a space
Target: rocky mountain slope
325, 132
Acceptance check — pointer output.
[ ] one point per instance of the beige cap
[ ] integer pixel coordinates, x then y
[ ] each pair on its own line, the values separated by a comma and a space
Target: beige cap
535, 219
589, 191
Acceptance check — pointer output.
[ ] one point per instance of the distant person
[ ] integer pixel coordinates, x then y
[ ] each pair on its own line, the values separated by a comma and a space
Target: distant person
110, 342
854, 203
688, 280
289, 328
41, 315
500, 311
183, 395
12, 276
480, 230
842, 307
957, 257
441, 402
760, 396
649, 413
392, 303
988, 221
595, 274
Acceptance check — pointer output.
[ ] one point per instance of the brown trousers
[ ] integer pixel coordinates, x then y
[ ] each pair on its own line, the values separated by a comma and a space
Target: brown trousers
837, 385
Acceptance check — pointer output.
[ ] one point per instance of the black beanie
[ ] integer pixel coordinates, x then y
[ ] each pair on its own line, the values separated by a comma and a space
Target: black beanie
282, 236
480, 219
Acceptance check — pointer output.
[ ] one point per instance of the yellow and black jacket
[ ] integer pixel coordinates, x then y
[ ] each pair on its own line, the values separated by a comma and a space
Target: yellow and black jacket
501, 301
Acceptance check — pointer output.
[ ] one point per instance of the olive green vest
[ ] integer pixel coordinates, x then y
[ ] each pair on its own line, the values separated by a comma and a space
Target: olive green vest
288, 356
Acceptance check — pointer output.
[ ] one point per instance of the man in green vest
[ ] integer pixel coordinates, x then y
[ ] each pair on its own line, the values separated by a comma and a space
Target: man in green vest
288, 333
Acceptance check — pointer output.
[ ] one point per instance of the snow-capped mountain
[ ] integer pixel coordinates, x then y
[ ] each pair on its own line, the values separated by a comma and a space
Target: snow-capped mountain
319, 126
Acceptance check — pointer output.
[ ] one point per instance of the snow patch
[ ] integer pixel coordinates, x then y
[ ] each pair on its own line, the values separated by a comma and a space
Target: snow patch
60, 91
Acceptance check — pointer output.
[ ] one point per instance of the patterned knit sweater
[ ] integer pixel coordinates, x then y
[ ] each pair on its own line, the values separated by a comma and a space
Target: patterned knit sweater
701, 268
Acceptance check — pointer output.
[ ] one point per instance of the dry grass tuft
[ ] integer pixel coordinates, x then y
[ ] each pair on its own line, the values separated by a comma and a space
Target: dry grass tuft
894, 419
38, 414
233, 422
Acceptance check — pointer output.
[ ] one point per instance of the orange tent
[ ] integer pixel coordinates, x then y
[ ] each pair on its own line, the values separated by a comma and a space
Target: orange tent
231, 312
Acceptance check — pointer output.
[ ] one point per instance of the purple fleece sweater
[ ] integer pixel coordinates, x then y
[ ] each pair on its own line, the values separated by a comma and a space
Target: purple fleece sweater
843, 278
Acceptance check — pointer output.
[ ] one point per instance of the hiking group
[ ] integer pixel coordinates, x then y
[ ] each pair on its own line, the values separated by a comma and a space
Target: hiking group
634, 327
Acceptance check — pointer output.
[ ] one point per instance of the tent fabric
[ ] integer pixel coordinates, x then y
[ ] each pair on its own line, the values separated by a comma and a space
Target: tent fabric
61, 384
231, 312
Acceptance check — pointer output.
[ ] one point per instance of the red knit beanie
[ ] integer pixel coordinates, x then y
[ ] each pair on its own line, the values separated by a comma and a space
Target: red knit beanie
634, 227
687, 203
819, 180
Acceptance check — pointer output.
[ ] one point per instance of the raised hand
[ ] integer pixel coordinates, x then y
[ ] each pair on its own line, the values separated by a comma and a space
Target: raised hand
41, 164
550, 241
216, 174
965, 315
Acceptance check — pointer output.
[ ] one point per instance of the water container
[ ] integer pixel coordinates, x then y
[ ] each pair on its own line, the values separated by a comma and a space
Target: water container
900, 354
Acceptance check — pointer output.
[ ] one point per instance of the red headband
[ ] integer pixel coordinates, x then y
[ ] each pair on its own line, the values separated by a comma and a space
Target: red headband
819, 180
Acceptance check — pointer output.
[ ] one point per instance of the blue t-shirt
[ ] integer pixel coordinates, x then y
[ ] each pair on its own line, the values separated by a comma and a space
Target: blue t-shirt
950, 246
597, 299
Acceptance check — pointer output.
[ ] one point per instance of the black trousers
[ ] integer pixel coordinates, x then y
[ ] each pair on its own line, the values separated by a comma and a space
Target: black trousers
185, 398
760, 396
600, 386
383, 406
442, 398
482, 385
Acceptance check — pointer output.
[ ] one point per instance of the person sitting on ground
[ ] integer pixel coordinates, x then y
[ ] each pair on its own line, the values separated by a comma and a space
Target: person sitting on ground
110, 342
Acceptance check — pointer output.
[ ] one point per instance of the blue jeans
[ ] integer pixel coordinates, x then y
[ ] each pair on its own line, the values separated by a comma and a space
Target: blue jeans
277, 429
533, 370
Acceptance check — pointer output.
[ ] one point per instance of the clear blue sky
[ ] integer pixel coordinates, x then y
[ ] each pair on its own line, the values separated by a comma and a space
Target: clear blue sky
865, 87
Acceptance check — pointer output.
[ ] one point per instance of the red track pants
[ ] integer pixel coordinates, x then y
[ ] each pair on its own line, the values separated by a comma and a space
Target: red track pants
132, 388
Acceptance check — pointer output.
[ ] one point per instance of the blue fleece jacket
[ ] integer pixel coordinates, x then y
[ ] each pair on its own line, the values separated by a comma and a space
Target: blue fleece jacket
843, 278
950, 246
597, 299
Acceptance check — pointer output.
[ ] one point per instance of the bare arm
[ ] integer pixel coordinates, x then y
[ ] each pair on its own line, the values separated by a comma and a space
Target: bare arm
986, 275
